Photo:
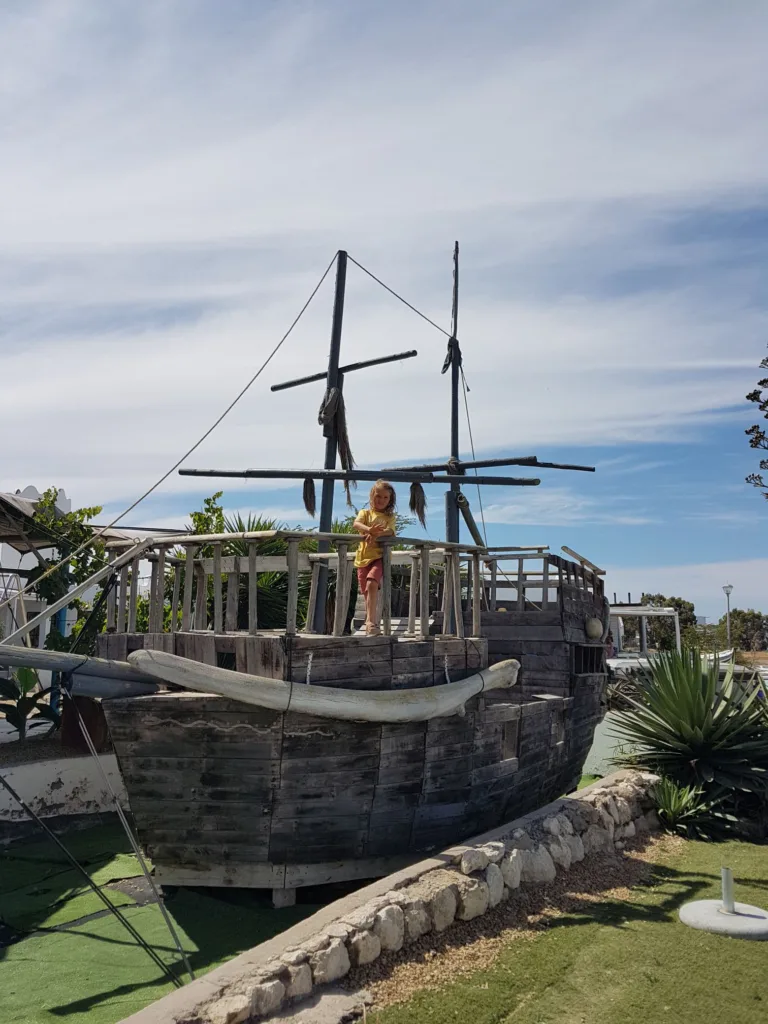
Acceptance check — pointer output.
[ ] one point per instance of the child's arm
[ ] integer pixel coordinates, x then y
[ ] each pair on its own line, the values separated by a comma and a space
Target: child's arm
361, 527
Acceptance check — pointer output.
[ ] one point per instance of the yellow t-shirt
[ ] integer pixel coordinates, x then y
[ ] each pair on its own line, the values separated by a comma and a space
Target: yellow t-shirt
369, 550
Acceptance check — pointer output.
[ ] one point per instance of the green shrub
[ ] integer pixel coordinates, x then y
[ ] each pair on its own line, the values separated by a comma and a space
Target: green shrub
700, 732
22, 704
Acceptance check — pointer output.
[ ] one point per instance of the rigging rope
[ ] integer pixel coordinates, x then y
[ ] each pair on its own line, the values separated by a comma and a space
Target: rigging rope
399, 297
196, 445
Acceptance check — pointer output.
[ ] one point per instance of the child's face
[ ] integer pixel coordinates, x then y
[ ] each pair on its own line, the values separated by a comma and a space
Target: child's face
380, 499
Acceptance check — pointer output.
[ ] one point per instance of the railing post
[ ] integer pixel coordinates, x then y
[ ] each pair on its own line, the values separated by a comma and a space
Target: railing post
459, 611
386, 590
218, 597
233, 594
153, 599
293, 587
189, 574
312, 603
122, 603
112, 603
520, 584
340, 609
201, 597
545, 584
494, 582
253, 584
133, 600
476, 598
424, 591
175, 599
413, 594
448, 591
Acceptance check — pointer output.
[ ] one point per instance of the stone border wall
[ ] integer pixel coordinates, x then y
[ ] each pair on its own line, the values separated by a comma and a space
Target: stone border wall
460, 884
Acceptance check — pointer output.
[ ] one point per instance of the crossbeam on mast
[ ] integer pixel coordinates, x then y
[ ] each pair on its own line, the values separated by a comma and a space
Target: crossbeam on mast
398, 476
527, 460
349, 368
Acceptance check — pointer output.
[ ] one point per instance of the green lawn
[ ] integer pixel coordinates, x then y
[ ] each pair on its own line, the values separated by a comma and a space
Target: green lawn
54, 965
623, 961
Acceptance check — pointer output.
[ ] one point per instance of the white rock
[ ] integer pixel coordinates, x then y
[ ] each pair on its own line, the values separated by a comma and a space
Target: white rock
619, 846
267, 997
473, 899
417, 920
389, 926
560, 852
495, 882
331, 963
316, 942
442, 908
494, 851
230, 1010
624, 810
552, 825
629, 830
576, 847
473, 860
538, 866
299, 982
294, 957
364, 948
566, 825
511, 867
597, 840
606, 821
520, 840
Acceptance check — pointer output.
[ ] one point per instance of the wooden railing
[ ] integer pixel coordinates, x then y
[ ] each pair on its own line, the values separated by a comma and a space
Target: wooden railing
530, 579
204, 583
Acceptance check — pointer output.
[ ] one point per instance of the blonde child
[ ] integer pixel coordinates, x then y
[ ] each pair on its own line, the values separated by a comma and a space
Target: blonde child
378, 520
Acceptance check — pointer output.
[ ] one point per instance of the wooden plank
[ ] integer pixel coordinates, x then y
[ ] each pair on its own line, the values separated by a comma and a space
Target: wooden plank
340, 608
218, 603
201, 597
449, 591
255, 876
386, 590
424, 592
520, 584
189, 575
545, 586
175, 598
457, 596
153, 598
134, 595
413, 593
252, 591
312, 603
293, 587
491, 772
494, 575
476, 607
122, 605
233, 595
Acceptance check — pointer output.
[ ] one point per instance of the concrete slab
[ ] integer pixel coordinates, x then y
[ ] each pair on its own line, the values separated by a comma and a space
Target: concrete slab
708, 915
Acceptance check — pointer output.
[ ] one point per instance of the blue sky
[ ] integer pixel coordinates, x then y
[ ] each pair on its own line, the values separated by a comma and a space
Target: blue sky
174, 184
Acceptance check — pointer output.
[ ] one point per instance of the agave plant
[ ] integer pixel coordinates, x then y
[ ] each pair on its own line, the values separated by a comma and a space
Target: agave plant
22, 703
690, 726
687, 811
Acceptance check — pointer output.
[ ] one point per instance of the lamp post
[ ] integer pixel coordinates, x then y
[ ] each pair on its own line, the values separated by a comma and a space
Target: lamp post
728, 590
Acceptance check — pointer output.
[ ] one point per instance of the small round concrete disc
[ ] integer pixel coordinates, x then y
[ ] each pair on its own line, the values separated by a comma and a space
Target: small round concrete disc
747, 923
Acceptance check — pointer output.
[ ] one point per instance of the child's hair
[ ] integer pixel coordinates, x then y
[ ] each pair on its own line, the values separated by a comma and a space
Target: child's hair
380, 485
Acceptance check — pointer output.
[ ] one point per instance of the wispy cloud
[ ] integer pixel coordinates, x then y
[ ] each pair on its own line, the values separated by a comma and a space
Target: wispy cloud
560, 506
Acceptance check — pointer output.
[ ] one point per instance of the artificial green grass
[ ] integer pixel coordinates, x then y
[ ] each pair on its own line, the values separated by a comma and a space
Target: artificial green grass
623, 961
587, 780
93, 969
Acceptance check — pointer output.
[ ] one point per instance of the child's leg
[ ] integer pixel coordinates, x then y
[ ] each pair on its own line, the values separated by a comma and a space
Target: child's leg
371, 601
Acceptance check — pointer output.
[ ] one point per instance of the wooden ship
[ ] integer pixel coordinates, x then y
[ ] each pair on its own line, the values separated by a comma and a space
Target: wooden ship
306, 754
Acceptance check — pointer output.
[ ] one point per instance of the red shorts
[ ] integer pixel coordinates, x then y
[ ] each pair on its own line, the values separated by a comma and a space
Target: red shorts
372, 571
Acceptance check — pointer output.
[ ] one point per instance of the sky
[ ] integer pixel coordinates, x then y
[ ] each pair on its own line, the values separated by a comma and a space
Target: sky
176, 176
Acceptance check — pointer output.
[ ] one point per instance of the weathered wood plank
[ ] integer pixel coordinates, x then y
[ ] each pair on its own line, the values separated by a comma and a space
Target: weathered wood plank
186, 607
233, 595
218, 602
293, 587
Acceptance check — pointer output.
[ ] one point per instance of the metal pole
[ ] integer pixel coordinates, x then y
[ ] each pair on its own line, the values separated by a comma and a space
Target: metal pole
333, 381
728, 618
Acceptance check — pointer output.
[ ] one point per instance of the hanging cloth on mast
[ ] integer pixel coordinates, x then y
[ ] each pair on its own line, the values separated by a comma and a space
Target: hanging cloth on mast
454, 352
332, 415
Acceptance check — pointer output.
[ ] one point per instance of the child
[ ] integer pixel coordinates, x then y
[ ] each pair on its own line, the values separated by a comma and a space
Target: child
376, 521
